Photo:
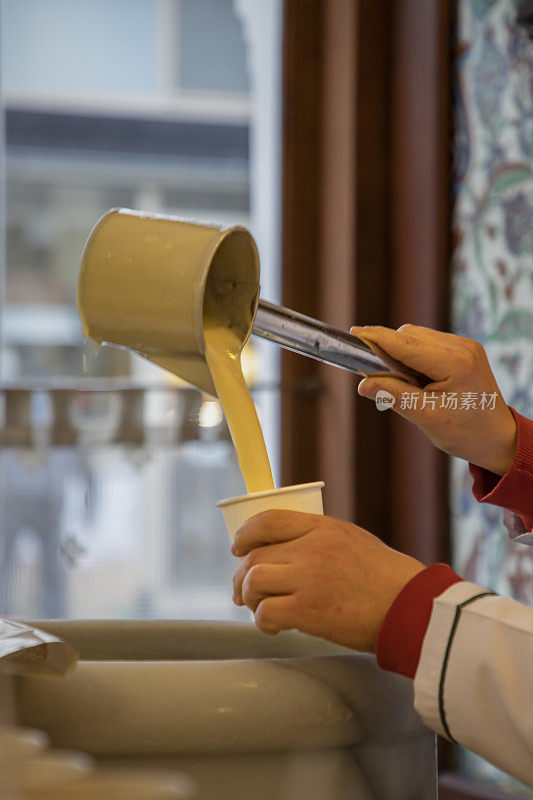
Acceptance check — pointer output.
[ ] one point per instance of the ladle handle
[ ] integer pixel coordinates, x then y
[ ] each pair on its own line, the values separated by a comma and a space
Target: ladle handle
312, 338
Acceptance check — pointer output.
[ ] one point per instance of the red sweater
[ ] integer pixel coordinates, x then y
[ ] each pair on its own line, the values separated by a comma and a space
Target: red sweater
404, 627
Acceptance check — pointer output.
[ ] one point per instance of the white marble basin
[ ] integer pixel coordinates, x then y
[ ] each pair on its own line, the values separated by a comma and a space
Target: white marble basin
245, 714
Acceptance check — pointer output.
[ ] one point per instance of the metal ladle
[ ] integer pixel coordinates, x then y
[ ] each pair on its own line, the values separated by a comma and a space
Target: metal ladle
148, 281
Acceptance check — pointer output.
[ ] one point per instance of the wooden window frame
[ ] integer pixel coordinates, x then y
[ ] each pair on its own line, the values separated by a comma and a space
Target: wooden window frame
365, 238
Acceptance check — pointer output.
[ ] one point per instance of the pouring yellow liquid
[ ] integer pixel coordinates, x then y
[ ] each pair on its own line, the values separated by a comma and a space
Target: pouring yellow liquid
223, 356
137, 289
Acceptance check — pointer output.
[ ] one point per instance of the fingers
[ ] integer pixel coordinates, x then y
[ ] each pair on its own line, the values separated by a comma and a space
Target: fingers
265, 580
275, 614
271, 527
414, 330
427, 351
451, 338
370, 386
262, 556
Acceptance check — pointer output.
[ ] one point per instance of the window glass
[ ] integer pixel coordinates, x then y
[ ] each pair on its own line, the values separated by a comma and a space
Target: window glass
110, 468
84, 48
212, 51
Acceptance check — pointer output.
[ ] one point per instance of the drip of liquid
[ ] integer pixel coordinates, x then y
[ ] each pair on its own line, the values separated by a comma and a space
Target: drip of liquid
223, 356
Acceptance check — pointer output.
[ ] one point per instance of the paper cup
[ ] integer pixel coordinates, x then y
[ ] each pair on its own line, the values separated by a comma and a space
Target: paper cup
305, 497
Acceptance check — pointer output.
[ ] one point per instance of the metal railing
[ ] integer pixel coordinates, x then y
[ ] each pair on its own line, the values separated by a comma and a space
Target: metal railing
94, 411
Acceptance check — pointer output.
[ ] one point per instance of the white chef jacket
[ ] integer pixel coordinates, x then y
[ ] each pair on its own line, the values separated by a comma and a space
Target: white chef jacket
472, 682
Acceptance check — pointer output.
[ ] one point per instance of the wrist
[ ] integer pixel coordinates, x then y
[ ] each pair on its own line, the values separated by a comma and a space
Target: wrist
499, 448
405, 570
513, 490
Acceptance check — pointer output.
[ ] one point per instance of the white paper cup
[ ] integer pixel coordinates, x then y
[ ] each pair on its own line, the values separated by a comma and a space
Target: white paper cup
305, 497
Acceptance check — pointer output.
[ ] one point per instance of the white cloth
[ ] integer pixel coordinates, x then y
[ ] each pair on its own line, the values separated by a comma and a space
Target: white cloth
472, 684
517, 530
30, 651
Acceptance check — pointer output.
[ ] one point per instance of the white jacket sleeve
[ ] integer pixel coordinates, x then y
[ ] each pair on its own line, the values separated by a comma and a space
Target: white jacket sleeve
473, 682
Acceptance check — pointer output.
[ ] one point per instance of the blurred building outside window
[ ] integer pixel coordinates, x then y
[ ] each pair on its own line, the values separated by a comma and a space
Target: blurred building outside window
167, 106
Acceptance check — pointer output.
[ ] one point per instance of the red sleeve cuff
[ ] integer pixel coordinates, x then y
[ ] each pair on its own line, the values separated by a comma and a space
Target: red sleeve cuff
402, 632
514, 490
